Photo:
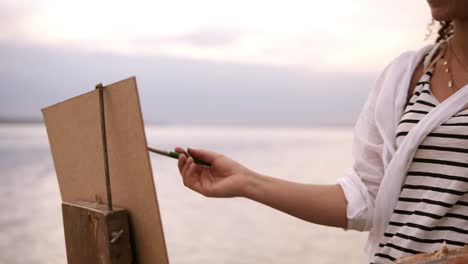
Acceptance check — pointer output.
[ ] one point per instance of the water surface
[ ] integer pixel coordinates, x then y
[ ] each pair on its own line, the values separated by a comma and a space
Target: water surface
197, 229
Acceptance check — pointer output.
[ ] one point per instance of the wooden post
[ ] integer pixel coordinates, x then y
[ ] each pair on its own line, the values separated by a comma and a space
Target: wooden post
96, 235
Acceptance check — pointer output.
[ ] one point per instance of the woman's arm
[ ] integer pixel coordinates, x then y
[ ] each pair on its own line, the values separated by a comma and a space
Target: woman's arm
319, 204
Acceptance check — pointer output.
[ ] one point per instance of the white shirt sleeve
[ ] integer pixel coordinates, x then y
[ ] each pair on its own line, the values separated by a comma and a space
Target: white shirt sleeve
361, 182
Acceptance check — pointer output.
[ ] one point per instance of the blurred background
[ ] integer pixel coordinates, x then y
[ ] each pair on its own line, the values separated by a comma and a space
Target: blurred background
276, 85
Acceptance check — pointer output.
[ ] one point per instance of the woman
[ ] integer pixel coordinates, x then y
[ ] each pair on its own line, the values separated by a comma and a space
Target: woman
409, 180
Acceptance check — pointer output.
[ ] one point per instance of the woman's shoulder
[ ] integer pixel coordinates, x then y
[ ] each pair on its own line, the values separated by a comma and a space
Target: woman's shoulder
390, 91
410, 60
402, 71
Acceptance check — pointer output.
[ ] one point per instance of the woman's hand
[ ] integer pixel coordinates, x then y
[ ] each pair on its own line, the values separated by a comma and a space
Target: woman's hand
224, 178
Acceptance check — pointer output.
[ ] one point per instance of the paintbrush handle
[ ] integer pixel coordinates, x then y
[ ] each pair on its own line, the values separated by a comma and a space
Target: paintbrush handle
199, 162
176, 155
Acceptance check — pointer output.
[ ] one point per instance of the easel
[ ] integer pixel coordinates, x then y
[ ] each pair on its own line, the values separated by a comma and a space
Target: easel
93, 144
94, 232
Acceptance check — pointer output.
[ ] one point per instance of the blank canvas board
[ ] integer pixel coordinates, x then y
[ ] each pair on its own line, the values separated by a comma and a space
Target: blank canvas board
74, 132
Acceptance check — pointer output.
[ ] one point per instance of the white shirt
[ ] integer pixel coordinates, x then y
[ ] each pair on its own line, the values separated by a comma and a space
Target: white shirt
372, 185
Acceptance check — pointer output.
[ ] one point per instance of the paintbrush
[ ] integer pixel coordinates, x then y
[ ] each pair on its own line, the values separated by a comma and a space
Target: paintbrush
176, 155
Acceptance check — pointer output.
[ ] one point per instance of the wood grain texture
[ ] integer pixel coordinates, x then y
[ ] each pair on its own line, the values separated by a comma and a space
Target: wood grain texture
88, 233
74, 132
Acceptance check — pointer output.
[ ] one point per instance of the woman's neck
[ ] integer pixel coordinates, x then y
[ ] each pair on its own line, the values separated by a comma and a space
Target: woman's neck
460, 39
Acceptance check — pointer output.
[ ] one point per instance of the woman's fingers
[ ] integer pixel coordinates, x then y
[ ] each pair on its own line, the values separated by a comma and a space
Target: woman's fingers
181, 151
184, 163
191, 170
204, 155
181, 162
191, 175
186, 166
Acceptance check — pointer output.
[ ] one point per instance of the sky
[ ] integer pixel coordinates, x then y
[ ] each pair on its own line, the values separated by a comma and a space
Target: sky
243, 61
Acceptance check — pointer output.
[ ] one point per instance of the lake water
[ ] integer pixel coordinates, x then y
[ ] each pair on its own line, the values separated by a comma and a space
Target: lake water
197, 229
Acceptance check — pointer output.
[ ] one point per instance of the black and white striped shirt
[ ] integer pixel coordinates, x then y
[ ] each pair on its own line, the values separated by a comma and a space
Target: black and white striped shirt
433, 203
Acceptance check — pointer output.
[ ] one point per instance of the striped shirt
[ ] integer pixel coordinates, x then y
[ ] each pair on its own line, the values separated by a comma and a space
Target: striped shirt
433, 203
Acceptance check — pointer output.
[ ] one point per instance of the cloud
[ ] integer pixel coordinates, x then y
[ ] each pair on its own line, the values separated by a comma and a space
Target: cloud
359, 36
13, 17
207, 38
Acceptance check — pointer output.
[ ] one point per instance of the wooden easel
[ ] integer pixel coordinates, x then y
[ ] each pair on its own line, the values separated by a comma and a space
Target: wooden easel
93, 145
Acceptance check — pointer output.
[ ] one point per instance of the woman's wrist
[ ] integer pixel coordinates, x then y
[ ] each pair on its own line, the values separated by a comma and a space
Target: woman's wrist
251, 186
